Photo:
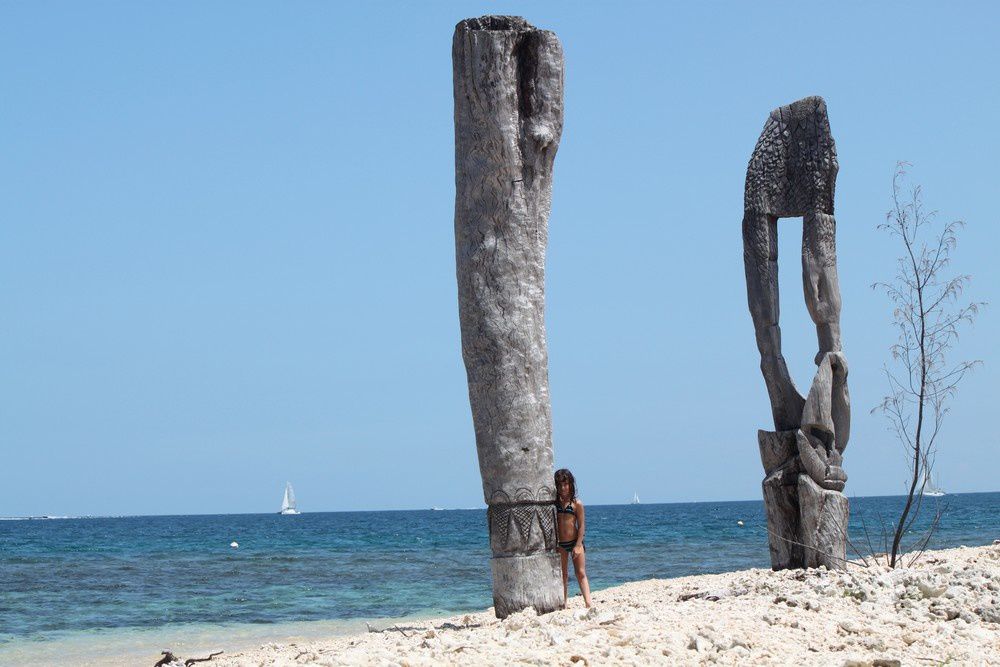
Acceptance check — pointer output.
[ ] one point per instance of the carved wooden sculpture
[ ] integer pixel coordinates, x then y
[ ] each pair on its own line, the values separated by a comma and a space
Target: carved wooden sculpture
508, 79
792, 173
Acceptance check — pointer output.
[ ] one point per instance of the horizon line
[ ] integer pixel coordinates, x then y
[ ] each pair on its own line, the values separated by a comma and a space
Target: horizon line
55, 517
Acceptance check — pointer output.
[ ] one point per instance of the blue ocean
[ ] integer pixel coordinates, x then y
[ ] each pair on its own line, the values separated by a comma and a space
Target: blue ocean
65, 578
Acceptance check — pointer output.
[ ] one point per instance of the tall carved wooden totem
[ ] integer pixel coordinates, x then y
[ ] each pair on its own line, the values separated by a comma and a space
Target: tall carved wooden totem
793, 173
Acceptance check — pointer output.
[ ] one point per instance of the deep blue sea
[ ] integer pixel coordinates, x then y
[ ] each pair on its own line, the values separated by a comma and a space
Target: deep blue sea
69, 575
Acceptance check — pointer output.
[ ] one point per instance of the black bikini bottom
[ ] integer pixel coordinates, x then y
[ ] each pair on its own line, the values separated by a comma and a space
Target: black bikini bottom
568, 546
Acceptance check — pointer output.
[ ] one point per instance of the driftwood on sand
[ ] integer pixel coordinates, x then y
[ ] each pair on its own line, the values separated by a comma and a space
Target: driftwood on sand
169, 659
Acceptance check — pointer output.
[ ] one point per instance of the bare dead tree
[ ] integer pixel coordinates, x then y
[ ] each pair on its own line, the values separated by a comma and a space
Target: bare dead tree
928, 310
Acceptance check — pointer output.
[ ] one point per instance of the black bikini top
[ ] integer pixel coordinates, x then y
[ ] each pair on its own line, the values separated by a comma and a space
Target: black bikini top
566, 510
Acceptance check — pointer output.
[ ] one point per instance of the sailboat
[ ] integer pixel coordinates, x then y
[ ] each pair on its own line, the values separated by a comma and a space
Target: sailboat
288, 502
929, 488
635, 499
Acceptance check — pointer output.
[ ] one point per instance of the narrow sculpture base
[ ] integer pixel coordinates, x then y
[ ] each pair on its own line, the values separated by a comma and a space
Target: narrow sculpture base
823, 525
527, 581
807, 524
781, 504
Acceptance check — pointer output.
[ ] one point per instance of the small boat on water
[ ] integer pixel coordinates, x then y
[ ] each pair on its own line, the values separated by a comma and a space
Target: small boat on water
930, 489
288, 502
635, 499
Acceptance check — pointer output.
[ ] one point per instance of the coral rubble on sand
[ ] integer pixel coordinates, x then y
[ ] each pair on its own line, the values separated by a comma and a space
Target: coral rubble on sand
945, 609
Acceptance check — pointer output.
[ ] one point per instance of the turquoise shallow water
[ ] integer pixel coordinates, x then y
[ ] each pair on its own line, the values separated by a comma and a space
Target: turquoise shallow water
60, 578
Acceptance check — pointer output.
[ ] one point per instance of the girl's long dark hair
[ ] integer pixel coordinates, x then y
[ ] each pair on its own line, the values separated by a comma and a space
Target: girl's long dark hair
564, 475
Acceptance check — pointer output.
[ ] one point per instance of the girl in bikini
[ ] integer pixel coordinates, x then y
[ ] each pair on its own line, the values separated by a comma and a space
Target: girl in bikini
570, 528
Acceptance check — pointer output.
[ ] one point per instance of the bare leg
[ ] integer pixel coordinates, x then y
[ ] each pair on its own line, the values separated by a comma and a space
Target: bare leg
580, 566
564, 558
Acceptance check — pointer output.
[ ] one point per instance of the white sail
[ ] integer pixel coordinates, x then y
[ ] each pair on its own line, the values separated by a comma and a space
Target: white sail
635, 499
929, 488
288, 502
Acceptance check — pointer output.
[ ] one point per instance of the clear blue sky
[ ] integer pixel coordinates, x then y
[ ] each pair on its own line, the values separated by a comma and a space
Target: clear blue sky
227, 253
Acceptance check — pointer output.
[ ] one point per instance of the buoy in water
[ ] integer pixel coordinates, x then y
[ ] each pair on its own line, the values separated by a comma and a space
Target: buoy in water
739, 523
235, 545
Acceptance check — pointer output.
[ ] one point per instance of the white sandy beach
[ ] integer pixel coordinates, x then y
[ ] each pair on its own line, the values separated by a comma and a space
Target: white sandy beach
944, 610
